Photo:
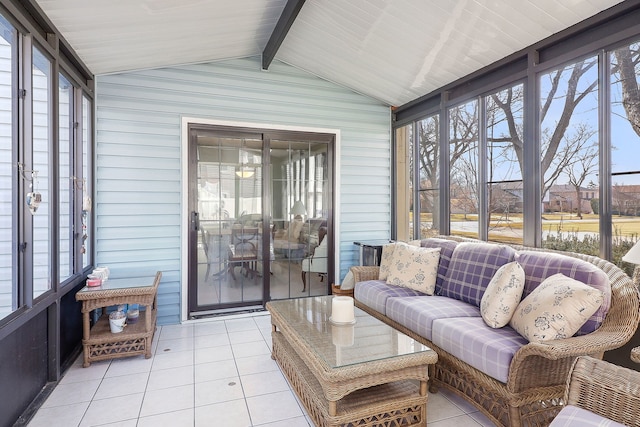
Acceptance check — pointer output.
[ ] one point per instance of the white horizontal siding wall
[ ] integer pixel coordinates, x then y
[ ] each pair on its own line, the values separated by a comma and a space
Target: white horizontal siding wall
139, 156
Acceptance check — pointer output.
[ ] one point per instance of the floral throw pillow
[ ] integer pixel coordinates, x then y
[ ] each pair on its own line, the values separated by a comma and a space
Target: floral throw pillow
556, 309
385, 259
415, 268
503, 294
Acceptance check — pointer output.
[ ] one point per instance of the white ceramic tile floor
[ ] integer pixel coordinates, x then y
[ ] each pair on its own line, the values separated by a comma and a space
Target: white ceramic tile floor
216, 372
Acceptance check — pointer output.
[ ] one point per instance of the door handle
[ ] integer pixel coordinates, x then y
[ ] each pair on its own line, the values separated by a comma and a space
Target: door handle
195, 221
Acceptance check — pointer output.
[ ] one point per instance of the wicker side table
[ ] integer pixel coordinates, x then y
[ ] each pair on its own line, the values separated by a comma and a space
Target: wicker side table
98, 342
335, 290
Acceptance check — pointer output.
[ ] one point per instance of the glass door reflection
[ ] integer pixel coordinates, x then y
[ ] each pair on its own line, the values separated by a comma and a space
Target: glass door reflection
299, 212
229, 222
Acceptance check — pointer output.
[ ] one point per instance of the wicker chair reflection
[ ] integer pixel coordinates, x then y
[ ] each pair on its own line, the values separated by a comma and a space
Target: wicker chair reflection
317, 262
214, 247
243, 251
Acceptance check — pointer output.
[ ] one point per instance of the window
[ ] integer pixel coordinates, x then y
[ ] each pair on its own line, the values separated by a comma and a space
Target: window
65, 147
39, 182
404, 183
8, 290
625, 140
85, 222
569, 155
464, 174
505, 161
74, 185
429, 175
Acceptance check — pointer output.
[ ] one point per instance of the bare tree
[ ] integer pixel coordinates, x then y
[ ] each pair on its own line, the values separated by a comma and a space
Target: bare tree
619, 198
626, 61
584, 160
504, 131
502, 108
428, 157
561, 139
465, 180
464, 139
565, 86
463, 155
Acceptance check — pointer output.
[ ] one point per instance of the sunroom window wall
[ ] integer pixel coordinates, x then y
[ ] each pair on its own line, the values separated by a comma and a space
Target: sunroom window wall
45, 169
560, 125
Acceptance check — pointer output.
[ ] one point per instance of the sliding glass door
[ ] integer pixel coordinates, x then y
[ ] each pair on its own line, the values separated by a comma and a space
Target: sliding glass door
259, 206
300, 218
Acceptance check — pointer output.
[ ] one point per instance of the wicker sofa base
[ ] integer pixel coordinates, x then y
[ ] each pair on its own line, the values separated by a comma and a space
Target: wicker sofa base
527, 409
492, 398
396, 404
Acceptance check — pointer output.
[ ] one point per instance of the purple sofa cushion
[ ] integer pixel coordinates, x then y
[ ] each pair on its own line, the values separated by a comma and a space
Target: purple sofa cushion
374, 293
573, 416
538, 266
418, 313
446, 251
471, 268
472, 341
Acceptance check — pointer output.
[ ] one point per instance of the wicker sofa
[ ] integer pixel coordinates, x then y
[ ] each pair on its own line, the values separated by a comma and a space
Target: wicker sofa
599, 393
529, 389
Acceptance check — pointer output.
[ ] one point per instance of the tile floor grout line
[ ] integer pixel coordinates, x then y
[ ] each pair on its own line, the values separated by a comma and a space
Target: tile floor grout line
235, 363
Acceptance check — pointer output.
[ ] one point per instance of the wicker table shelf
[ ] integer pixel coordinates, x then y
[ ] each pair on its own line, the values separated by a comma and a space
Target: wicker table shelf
98, 342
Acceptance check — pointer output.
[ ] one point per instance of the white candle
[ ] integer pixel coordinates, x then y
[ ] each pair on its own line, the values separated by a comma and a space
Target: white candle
342, 309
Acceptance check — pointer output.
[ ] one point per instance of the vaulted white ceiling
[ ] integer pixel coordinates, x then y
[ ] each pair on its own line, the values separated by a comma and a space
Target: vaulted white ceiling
392, 50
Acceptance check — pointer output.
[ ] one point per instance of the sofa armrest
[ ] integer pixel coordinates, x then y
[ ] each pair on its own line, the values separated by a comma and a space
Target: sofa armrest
548, 363
594, 343
362, 273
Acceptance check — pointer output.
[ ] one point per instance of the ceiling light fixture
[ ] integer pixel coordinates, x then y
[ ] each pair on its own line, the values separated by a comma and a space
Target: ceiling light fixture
245, 173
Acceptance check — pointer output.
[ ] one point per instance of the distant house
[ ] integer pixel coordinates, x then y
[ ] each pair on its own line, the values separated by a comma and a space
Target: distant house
626, 199
506, 197
564, 198
464, 200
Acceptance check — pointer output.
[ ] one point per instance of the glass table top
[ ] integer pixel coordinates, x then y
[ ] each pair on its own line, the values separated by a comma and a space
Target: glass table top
368, 340
124, 283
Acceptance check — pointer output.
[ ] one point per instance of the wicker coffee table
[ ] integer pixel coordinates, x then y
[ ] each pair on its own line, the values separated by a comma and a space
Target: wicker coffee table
366, 374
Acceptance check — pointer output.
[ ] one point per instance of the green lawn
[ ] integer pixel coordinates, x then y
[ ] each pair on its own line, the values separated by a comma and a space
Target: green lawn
556, 222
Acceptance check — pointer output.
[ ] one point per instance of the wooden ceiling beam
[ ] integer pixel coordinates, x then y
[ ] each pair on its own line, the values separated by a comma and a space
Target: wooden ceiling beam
289, 14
